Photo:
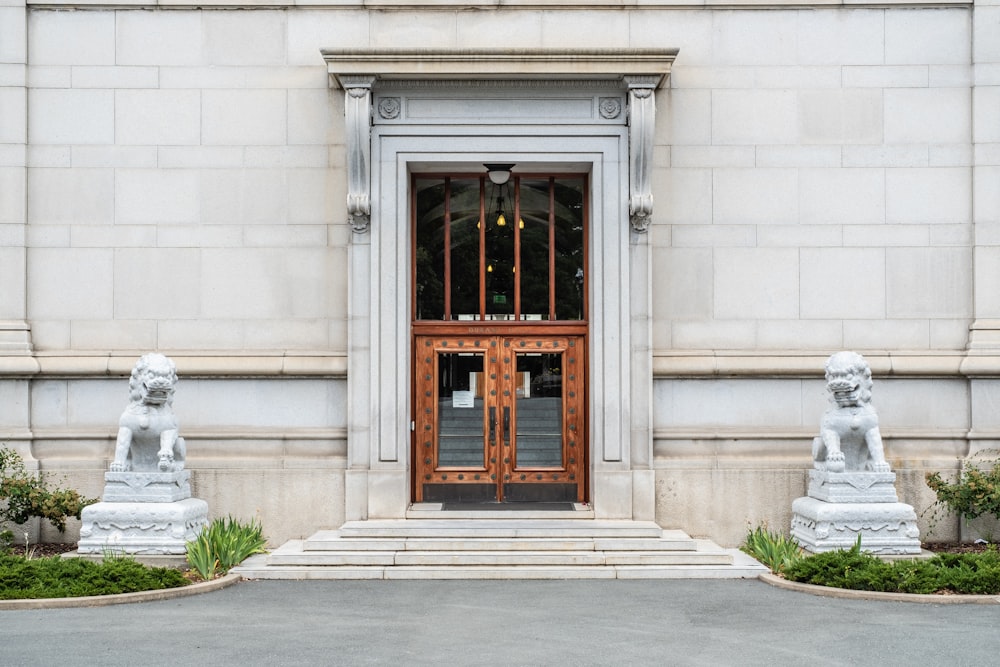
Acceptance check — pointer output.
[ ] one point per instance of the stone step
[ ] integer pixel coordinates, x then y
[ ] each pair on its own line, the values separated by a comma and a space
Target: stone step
495, 558
333, 541
742, 567
506, 547
513, 527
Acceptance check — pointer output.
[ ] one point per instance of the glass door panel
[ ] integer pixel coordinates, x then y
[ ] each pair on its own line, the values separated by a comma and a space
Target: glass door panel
539, 425
461, 412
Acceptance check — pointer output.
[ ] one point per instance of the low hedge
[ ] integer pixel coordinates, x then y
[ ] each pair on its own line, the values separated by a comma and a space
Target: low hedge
22, 578
967, 573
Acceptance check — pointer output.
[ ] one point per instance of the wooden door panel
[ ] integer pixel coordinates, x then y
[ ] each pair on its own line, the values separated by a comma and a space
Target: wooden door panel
495, 415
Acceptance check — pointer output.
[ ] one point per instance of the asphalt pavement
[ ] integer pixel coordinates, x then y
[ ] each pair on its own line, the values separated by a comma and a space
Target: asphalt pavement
617, 622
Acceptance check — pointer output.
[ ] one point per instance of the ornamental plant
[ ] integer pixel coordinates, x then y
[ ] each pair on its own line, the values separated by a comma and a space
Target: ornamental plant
24, 495
771, 548
55, 577
224, 544
968, 574
976, 492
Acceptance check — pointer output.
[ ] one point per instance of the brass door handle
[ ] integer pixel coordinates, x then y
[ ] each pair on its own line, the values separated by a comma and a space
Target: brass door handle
493, 426
506, 424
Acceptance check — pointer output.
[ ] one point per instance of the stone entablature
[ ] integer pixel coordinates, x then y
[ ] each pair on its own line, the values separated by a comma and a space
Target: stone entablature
640, 71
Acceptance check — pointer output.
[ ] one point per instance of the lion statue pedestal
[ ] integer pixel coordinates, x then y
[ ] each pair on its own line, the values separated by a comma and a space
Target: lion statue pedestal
147, 508
852, 491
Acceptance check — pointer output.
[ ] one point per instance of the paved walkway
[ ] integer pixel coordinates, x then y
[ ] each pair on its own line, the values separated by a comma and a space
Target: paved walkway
658, 622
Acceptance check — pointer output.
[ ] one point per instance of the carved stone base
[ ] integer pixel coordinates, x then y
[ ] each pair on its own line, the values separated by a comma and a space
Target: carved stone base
853, 487
147, 487
142, 527
885, 528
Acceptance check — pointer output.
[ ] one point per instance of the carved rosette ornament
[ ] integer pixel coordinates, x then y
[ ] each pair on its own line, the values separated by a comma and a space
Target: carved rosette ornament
610, 107
388, 108
641, 120
358, 110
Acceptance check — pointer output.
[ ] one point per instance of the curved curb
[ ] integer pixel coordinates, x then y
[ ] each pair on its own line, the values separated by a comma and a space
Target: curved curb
123, 598
830, 592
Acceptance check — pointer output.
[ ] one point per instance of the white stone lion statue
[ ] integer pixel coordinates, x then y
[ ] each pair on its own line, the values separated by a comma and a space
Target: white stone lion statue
147, 431
849, 438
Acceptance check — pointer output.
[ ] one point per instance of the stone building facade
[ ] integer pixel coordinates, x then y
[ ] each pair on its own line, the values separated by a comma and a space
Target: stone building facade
233, 185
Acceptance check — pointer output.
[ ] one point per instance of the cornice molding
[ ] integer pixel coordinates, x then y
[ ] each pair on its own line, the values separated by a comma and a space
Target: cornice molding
666, 365
803, 364
189, 364
466, 65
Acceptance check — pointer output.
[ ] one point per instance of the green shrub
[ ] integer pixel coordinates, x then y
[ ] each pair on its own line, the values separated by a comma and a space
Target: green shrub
27, 495
771, 548
968, 573
224, 544
56, 577
974, 494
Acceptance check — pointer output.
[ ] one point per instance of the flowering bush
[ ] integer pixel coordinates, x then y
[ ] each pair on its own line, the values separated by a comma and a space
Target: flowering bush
28, 496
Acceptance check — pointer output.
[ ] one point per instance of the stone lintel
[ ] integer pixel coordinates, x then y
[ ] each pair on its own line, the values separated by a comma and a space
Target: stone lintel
394, 63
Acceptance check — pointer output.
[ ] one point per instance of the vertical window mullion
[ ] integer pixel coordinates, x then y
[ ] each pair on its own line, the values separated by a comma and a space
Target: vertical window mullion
447, 248
482, 247
517, 247
552, 248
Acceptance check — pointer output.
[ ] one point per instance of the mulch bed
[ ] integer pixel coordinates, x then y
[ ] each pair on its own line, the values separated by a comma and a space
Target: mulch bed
956, 547
46, 550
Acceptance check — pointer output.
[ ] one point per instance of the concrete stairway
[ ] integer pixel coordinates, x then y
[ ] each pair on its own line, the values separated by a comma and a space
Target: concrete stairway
499, 545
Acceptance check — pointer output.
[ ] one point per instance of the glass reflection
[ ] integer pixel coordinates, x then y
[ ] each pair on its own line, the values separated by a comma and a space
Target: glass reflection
549, 233
460, 410
539, 418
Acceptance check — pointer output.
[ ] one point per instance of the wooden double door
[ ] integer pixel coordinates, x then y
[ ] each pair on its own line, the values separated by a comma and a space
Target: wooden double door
499, 418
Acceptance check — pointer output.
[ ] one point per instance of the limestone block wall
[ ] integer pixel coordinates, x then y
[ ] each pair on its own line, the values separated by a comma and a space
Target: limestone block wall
814, 181
825, 178
187, 165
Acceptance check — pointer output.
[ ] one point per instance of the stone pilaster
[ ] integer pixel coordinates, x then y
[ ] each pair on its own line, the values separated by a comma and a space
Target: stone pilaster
15, 337
984, 337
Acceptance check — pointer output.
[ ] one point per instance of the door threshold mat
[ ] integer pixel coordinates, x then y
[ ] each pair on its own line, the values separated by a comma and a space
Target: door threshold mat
511, 507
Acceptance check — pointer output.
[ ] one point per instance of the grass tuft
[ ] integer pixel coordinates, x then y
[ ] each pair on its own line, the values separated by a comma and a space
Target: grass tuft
772, 549
224, 544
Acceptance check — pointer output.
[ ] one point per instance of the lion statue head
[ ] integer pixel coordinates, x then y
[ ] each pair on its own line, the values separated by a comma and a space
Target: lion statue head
153, 380
849, 379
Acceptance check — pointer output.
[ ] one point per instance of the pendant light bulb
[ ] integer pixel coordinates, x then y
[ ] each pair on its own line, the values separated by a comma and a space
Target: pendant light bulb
501, 221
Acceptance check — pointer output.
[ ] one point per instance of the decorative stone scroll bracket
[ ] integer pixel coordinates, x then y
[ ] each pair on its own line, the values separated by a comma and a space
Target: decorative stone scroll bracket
358, 110
356, 71
642, 123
